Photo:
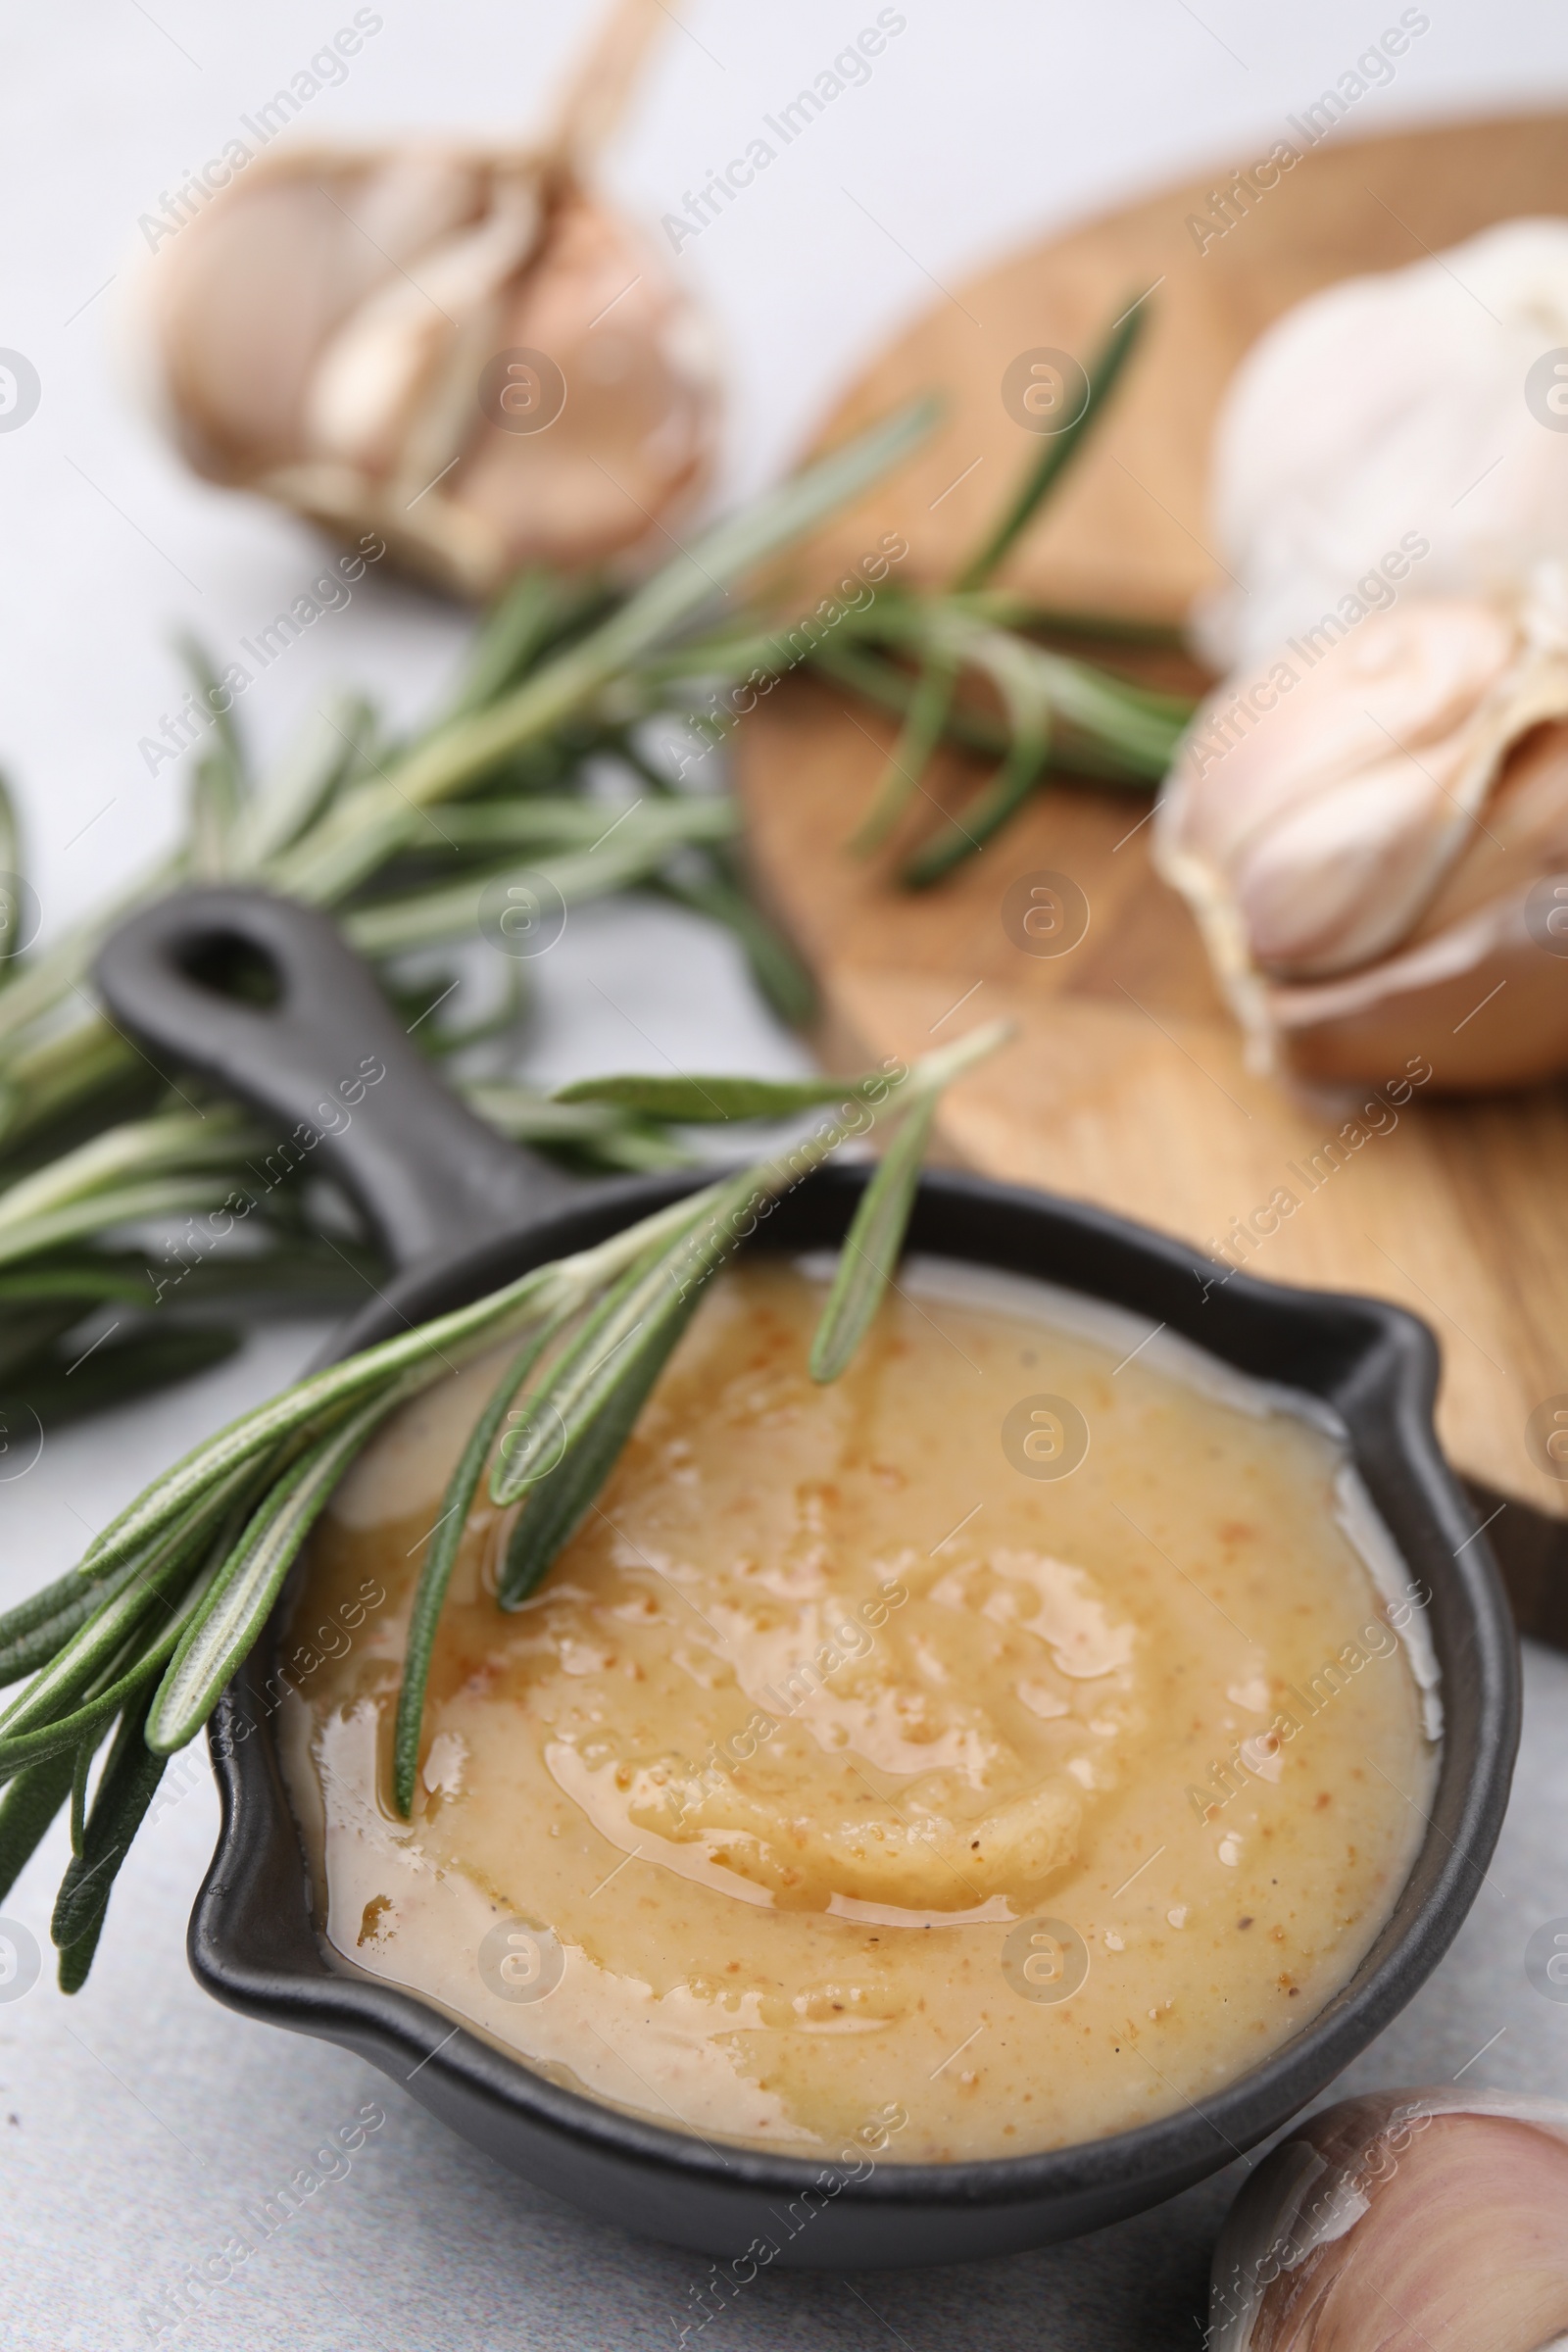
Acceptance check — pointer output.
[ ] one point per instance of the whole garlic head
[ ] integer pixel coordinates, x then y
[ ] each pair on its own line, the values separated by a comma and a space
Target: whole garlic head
463, 349
1367, 836
1388, 405
1431, 2217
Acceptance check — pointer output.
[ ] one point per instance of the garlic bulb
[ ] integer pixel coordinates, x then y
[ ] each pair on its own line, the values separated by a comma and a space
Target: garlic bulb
1433, 2217
1368, 834
463, 349
1428, 401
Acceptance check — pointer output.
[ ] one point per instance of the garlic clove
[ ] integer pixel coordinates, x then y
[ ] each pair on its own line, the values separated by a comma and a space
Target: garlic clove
1423, 1004
634, 438
247, 295
325, 326
1388, 409
1338, 879
1522, 833
370, 377
1405, 2216
1411, 677
1334, 816
1360, 854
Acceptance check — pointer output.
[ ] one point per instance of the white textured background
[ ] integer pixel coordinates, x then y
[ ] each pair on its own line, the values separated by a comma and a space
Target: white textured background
135, 2121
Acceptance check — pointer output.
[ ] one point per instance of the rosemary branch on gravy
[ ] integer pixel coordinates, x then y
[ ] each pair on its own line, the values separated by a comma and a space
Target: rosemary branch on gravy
135, 1644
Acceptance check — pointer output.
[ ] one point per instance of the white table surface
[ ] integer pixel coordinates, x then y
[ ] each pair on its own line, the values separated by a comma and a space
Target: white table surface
136, 2118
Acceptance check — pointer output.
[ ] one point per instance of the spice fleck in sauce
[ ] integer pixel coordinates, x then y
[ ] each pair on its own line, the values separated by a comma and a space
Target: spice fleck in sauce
869, 1752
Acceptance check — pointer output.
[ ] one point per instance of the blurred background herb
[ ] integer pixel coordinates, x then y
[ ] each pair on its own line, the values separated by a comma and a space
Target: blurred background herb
144, 1225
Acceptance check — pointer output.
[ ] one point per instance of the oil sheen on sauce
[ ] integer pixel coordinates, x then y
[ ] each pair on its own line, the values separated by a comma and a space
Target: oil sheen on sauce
868, 1753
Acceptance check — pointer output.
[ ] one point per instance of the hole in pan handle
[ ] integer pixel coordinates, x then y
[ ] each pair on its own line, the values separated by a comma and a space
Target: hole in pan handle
261, 996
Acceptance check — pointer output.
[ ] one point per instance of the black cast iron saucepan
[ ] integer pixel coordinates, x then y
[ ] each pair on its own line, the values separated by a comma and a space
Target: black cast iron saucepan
460, 1212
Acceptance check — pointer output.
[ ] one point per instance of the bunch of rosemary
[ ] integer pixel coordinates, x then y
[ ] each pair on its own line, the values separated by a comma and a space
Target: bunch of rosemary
912, 651
401, 837
134, 1645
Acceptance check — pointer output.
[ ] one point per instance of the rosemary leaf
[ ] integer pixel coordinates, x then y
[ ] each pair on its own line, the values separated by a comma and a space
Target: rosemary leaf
553, 821
118, 1204
602, 1136
626, 853
219, 784
534, 611
53, 1601
551, 1515
433, 1348
39, 1607
134, 1151
124, 1678
212, 813
35, 1644
877, 1231
868, 671
435, 1576
323, 754
628, 1149
923, 728
693, 1101
132, 1596
1011, 665
583, 1412
241, 1595
91, 1280
1109, 628
519, 621
81, 1767
587, 1371
961, 836
27, 1809
1146, 728
605, 1414
127, 1785
219, 712
1046, 471
77, 1963
871, 1245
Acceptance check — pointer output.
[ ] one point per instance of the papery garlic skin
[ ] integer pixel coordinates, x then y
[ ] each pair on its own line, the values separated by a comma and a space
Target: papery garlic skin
322, 328
1361, 839
1385, 404
1405, 2216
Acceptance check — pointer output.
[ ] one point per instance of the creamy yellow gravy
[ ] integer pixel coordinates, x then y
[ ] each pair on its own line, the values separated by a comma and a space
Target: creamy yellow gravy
843, 1769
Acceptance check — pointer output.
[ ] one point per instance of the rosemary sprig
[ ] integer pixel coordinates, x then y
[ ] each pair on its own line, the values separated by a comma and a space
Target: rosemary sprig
168, 1599
551, 698
582, 1407
565, 680
910, 650
1126, 733
554, 682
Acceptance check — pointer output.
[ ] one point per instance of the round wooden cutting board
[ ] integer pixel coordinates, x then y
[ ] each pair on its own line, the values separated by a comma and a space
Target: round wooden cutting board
1127, 1086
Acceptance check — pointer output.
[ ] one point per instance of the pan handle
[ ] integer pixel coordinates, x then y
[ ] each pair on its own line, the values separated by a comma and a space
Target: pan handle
261, 996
